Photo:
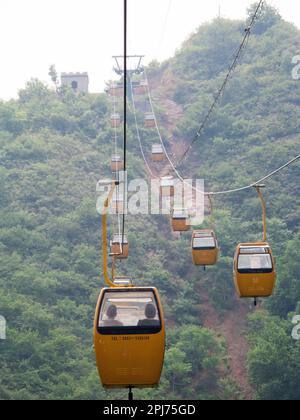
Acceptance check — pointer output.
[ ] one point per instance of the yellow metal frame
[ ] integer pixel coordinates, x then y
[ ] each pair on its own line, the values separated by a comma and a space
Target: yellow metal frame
113, 268
264, 210
107, 202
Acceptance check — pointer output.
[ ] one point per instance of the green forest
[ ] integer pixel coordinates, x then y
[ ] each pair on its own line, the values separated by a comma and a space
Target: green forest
54, 147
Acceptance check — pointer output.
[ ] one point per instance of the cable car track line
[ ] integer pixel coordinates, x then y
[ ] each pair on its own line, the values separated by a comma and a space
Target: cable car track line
254, 184
213, 106
138, 133
225, 82
230, 191
174, 168
232, 67
162, 37
159, 134
117, 174
212, 193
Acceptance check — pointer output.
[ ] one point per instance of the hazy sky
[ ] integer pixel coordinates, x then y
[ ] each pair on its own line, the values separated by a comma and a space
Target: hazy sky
83, 35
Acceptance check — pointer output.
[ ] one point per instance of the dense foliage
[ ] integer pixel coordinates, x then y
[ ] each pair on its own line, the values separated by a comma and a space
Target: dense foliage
55, 145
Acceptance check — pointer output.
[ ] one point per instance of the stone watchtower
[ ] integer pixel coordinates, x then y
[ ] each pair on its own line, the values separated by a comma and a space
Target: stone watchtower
79, 82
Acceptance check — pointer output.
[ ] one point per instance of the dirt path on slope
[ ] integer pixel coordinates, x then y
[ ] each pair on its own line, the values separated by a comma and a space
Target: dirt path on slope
232, 327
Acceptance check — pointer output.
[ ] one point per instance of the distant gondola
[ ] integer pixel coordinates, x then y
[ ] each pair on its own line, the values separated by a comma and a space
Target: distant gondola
205, 250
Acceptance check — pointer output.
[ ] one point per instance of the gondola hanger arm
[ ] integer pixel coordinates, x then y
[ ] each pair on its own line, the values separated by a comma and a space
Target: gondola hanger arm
259, 188
107, 202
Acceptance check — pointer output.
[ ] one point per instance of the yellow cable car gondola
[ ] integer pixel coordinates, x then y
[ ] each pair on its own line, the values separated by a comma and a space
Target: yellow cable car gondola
118, 248
254, 265
129, 337
116, 163
180, 220
157, 153
205, 250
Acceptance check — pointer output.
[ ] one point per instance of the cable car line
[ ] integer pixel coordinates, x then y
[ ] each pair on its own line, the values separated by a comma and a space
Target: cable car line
231, 69
125, 112
214, 104
254, 270
162, 38
225, 82
117, 173
138, 133
254, 184
159, 134
125, 311
277, 170
212, 193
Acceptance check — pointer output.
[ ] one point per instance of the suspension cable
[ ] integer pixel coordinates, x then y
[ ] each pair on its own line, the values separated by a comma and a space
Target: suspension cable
125, 113
276, 171
138, 132
165, 25
225, 82
117, 191
215, 102
211, 193
253, 184
232, 67
161, 139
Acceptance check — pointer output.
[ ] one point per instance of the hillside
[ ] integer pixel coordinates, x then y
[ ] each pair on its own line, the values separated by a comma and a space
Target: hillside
254, 130
54, 148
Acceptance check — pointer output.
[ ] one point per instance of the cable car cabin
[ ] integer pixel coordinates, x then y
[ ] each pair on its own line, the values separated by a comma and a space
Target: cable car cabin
167, 187
150, 120
140, 88
118, 248
115, 120
180, 220
116, 89
254, 270
123, 281
116, 163
205, 250
157, 153
129, 337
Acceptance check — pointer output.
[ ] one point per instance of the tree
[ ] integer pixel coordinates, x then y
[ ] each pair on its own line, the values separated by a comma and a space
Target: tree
177, 369
268, 17
54, 76
273, 359
287, 293
202, 349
